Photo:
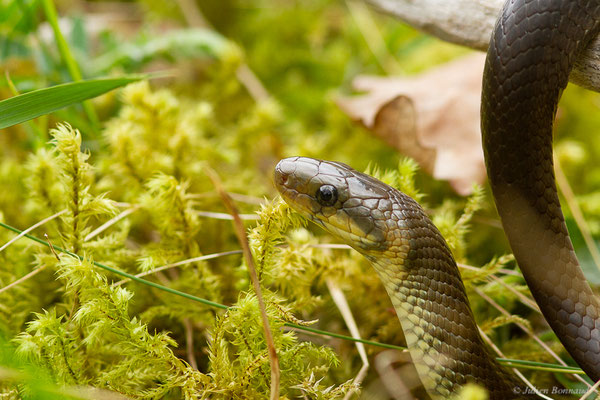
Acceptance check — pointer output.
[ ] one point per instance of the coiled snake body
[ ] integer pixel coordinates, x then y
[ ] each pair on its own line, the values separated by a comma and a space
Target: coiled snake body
531, 54
529, 60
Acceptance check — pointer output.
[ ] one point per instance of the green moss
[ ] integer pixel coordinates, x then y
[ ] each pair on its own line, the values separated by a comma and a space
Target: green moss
76, 325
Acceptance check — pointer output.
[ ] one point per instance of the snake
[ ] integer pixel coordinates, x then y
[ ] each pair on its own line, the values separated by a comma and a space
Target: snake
414, 263
532, 51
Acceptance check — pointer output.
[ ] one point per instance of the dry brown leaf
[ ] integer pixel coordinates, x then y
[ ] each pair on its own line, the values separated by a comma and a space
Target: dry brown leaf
432, 117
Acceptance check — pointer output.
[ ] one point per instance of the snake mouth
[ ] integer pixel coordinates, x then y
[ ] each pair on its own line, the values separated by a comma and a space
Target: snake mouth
281, 178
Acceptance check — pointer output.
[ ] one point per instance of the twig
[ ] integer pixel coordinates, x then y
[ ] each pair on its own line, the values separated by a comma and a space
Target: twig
23, 278
393, 381
242, 198
111, 222
567, 192
524, 299
527, 331
493, 222
339, 246
189, 343
51, 246
342, 304
590, 391
243, 239
178, 263
32, 227
192, 14
218, 215
503, 270
252, 84
493, 278
516, 371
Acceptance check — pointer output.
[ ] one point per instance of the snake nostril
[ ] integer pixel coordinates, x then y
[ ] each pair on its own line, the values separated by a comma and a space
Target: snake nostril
281, 178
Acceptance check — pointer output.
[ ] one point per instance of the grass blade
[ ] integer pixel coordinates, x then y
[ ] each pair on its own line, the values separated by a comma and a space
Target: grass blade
30, 105
67, 56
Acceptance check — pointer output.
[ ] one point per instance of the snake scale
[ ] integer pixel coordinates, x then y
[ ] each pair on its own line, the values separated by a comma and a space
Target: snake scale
531, 54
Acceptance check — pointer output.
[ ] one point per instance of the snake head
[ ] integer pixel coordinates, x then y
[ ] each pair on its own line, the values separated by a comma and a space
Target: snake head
345, 202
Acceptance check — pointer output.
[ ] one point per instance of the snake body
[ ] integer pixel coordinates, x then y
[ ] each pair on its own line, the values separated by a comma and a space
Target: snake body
414, 263
529, 59
531, 54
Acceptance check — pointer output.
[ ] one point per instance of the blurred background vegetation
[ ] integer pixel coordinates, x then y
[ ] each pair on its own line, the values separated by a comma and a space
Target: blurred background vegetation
237, 85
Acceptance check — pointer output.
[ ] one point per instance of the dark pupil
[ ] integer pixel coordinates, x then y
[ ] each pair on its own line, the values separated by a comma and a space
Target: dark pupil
327, 195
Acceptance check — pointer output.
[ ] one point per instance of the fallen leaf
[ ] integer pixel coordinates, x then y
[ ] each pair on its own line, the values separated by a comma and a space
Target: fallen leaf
432, 117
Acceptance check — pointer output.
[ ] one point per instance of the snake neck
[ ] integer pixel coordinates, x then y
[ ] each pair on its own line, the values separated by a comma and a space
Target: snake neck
431, 303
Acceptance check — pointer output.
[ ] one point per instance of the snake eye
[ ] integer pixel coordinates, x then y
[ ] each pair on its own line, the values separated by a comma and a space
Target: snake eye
327, 195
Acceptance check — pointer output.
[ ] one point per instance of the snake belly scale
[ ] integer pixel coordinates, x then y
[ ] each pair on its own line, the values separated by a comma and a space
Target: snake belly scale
414, 263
